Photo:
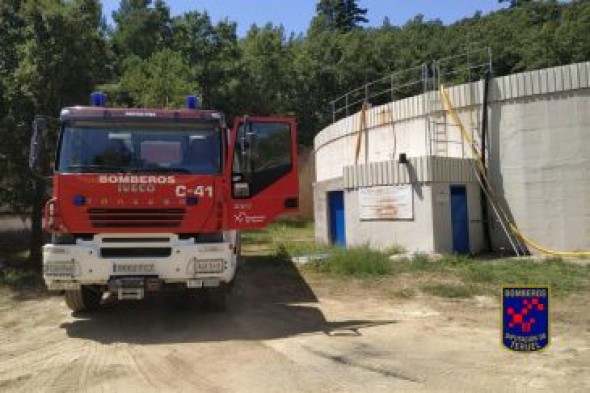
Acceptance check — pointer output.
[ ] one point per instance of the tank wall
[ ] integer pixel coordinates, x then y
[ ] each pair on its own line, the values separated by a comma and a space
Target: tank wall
538, 147
540, 166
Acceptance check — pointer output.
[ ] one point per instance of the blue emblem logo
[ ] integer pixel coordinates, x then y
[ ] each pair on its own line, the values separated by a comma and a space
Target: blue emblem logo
525, 317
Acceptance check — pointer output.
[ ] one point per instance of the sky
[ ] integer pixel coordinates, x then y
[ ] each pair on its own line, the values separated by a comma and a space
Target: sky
295, 15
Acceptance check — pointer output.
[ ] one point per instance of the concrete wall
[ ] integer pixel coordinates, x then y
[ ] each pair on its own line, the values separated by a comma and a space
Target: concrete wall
429, 231
540, 165
382, 143
414, 235
539, 147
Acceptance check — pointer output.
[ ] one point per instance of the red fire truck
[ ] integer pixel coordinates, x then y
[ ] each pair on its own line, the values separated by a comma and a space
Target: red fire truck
146, 199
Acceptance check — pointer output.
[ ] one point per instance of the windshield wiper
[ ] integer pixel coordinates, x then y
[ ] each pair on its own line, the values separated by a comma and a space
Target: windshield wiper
103, 168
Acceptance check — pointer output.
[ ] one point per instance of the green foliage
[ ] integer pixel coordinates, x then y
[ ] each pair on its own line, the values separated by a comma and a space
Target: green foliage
394, 250
358, 262
18, 278
564, 277
213, 54
266, 65
162, 81
54, 53
141, 30
452, 276
339, 15
517, 3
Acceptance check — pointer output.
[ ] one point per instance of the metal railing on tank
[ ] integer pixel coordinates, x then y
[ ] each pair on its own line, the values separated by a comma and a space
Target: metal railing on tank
465, 67
462, 68
397, 85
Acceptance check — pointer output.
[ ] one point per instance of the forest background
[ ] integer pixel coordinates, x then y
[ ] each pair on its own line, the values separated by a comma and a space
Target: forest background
53, 53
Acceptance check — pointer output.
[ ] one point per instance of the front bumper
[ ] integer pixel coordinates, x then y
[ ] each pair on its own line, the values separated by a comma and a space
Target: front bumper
196, 265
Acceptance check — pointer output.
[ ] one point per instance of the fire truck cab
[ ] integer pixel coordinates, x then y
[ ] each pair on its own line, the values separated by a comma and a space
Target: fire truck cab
149, 199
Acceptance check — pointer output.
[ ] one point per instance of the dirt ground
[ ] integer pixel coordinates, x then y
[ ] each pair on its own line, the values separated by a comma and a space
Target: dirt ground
287, 333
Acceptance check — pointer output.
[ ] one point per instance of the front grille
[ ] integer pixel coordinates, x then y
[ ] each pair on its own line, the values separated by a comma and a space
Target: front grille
141, 252
136, 218
136, 240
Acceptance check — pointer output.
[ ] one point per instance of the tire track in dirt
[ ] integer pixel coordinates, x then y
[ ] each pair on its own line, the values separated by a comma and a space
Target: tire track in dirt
343, 343
162, 374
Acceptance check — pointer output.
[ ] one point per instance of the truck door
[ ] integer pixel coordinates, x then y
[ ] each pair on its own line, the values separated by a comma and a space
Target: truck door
263, 165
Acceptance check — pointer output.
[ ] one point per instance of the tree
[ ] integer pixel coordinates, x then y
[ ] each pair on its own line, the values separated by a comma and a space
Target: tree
162, 81
518, 3
12, 105
56, 59
213, 54
267, 69
54, 52
141, 29
340, 15
386, 23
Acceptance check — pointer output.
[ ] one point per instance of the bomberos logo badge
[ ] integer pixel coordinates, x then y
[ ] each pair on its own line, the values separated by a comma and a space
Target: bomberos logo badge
525, 318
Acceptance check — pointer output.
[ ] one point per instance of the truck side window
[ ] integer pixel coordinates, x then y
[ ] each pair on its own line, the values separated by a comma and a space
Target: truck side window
273, 147
267, 150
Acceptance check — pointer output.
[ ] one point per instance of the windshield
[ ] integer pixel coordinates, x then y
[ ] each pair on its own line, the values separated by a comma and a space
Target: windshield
88, 147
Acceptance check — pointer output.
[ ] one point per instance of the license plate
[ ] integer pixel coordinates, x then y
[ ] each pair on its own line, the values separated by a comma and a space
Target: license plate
209, 266
133, 268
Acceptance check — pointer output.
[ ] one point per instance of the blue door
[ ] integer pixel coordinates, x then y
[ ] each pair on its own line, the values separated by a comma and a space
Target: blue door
460, 219
336, 209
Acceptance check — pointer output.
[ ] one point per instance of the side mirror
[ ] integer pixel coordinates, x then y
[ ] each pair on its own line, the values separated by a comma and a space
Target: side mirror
36, 148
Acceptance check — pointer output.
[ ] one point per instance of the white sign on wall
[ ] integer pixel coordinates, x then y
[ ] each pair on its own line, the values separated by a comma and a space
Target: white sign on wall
386, 203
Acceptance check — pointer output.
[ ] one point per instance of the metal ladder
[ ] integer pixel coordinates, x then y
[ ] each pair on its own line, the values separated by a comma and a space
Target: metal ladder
437, 126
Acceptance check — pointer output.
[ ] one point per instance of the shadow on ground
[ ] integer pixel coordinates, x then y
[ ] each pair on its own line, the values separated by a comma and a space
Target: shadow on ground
270, 300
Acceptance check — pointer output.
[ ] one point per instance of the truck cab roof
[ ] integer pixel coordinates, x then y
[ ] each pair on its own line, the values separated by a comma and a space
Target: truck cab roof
102, 113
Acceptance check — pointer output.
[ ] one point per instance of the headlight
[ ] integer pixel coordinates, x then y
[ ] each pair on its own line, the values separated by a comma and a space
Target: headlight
65, 269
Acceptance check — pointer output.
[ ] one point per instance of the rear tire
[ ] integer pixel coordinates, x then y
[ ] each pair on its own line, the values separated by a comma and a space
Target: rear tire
215, 298
87, 298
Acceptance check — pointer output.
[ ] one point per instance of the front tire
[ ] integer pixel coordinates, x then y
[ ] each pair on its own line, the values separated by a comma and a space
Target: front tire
87, 298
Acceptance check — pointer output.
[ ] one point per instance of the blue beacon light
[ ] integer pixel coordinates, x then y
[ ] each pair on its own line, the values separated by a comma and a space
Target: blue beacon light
79, 200
192, 102
98, 99
192, 201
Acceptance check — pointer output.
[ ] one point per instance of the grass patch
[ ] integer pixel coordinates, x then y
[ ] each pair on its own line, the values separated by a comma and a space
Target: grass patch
563, 277
361, 262
293, 235
451, 276
394, 250
448, 290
